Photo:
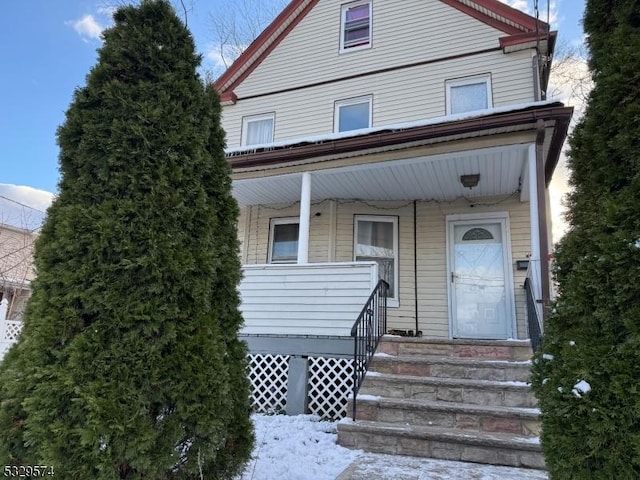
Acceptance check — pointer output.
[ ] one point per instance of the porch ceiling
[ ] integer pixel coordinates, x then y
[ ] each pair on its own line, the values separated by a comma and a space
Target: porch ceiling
436, 177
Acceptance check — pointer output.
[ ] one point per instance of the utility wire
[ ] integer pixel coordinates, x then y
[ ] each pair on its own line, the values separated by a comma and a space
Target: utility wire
21, 204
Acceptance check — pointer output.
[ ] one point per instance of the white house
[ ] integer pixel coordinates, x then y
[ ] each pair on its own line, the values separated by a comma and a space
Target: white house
410, 141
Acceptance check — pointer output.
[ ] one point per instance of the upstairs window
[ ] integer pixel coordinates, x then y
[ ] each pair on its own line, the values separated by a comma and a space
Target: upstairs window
468, 94
352, 114
355, 26
283, 240
258, 129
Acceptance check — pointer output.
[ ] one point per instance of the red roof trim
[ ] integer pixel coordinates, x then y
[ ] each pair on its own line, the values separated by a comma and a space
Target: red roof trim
259, 42
289, 154
271, 36
517, 39
492, 22
527, 21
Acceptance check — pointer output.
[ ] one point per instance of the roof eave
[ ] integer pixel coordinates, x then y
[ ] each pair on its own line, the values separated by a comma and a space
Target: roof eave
282, 156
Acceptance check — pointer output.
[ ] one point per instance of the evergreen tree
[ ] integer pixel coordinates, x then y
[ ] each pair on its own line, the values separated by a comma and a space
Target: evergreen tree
587, 372
129, 364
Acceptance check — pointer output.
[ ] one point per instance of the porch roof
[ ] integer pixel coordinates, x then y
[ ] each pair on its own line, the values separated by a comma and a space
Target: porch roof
399, 162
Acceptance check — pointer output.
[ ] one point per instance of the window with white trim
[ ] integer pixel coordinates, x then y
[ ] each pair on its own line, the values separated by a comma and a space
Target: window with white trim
258, 129
355, 26
283, 240
352, 114
468, 94
376, 239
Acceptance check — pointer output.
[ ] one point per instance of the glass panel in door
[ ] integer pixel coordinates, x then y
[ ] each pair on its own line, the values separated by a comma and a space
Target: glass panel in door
478, 277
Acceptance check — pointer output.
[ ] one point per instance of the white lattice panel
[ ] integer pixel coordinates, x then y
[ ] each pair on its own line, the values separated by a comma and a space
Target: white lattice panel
330, 383
268, 375
11, 330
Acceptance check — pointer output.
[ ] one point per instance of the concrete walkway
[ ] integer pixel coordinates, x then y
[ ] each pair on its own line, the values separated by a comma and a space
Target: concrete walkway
372, 466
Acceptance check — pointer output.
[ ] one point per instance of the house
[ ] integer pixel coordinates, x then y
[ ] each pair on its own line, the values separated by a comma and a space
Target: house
16, 273
406, 141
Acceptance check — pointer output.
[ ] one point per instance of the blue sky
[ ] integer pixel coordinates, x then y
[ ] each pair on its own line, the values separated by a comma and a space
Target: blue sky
49, 46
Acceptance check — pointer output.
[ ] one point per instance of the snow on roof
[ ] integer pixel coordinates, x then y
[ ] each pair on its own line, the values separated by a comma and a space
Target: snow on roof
394, 127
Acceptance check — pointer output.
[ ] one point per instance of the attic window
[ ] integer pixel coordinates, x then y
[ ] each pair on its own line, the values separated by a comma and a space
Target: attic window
355, 26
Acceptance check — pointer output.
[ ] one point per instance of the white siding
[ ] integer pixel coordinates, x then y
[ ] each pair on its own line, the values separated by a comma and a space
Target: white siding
433, 311
310, 52
398, 96
404, 33
319, 299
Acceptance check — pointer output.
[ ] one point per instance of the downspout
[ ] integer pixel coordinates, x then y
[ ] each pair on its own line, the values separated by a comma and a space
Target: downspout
542, 216
415, 262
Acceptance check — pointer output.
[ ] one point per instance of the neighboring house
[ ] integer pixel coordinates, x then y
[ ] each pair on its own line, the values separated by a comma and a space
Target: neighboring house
409, 141
16, 273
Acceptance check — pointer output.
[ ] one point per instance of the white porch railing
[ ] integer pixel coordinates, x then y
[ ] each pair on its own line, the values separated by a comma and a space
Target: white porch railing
305, 299
9, 329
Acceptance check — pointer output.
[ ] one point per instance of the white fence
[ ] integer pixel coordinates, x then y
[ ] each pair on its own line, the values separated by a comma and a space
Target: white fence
308, 299
9, 329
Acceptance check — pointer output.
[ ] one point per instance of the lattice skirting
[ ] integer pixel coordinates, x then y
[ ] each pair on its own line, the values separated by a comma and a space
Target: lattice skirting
10, 330
268, 375
330, 383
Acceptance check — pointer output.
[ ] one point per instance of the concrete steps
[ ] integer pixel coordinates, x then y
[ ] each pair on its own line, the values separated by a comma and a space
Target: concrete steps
448, 399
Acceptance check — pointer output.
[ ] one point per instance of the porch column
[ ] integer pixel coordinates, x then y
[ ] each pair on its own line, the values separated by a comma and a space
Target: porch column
305, 219
533, 208
534, 259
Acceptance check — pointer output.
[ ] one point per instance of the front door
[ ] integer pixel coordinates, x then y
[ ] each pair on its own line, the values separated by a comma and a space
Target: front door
481, 291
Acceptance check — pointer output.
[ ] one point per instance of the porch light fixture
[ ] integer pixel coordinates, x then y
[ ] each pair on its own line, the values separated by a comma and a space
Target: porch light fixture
470, 181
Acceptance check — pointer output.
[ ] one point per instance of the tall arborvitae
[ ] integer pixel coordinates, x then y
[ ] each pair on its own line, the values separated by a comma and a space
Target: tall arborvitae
129, 364
587, 373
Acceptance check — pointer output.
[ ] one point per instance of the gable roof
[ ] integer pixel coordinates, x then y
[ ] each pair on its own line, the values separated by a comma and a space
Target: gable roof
519, 28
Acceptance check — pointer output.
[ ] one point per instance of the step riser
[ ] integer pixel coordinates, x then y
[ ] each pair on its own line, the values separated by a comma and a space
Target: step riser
488, 352
503, 373
447, 393
405, 445
468, 421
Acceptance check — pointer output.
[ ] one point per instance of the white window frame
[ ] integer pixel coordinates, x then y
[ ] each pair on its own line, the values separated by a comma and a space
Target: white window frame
246, 121
272, 224
395, 300
343, 20
348, 102
461, 82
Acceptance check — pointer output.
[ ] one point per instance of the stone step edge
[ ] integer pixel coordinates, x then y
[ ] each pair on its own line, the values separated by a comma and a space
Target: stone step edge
447, 381
450, 407
468, 437
438, 359
456, 341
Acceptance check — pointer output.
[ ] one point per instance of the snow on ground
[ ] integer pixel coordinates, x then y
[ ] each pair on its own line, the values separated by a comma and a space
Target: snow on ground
304, 448
296, 448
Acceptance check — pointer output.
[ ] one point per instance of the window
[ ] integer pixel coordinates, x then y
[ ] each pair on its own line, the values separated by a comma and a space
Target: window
355, 26
376, 239
258, 129
352, 114
283, 240
468, 94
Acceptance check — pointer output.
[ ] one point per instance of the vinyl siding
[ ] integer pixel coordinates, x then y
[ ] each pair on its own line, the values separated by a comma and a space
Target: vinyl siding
304, 299
433, 310
419, 94
309, 55
311, 51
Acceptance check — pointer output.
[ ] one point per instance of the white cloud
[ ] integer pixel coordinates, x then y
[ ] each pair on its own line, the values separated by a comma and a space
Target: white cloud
22, 206
87, 27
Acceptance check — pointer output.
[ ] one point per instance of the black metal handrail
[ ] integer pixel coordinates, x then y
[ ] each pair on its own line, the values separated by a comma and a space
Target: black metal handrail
533, 322
367, 331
